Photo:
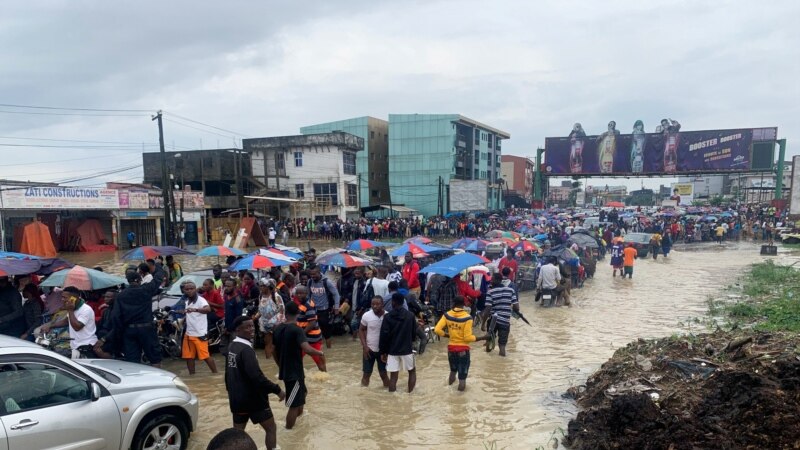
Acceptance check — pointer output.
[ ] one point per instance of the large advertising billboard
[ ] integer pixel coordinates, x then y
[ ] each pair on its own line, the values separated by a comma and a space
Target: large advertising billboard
668, 151
58, 197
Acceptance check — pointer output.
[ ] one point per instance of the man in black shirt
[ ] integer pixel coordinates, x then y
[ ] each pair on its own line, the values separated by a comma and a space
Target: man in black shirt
398, 330
290, 345
132, 317
248, 388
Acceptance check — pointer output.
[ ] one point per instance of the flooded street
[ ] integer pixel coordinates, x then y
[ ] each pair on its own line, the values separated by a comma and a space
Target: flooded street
513, 402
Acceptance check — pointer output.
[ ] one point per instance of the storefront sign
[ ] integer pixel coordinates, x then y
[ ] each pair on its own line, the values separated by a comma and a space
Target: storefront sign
57, 197
191, 200
133, 199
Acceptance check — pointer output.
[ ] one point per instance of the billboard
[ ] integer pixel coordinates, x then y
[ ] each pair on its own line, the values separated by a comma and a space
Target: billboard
684, 195
58, 197
469, 195
794, 198
668, 151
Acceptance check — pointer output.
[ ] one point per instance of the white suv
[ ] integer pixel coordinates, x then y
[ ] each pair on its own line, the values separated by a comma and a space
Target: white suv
48, 401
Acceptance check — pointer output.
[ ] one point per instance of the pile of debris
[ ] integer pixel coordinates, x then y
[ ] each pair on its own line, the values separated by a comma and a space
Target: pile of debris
716, 391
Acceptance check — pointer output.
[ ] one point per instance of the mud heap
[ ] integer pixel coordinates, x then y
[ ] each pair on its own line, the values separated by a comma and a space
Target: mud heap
716, 391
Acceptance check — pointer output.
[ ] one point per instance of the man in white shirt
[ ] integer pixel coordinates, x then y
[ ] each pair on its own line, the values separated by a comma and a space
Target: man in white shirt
369, 333
82, 326
380, 285
549, 276
195, 340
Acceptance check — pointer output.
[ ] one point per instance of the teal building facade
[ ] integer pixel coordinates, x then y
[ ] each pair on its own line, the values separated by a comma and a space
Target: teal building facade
427, 151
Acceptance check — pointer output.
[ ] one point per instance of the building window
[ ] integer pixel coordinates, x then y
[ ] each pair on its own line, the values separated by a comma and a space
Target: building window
475, 174
349, 163
489, 138
477, 136
280, 163
374, 193
352, 195
372, 135
298, 159
327, 192
477, 157
299, 190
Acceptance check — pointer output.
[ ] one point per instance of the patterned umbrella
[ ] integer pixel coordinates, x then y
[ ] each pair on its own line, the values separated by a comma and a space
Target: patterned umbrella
418, 240
151, 251
418, 250
462, 243
508, 241
220, 250
255, 262
526, 246
283, 252
342, 260
360, 245
277, 254
503, 234
83, 278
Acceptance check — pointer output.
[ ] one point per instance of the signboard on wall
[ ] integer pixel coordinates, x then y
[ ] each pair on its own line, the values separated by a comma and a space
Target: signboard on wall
669, 151
58, 197
469, 195
191, 200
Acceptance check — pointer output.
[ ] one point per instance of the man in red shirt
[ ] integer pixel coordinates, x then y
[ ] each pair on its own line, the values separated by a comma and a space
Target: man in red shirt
411, 274
509, 262
214, 299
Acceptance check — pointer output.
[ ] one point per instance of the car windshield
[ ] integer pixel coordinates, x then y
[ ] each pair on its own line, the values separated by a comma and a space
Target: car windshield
111, 378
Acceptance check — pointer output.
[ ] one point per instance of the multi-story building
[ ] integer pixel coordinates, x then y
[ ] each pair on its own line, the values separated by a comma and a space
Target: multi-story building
222, 175
372, 164
517, 173
316, 170
426, 151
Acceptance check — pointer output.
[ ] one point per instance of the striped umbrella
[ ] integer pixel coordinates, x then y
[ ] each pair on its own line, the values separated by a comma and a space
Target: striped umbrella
526, 246
342, 260
360, 245
220, 250
477, 246
255, 262
462, 243
151, 251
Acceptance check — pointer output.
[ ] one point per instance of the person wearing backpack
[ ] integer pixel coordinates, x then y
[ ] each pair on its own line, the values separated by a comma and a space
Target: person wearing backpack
326, 297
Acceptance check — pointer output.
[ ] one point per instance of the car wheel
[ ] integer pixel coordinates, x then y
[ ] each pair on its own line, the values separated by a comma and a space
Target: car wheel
166, 431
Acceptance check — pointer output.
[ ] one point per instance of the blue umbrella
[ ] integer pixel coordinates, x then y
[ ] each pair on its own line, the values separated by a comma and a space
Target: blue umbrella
462, 243
256, 262
726, 214
19, 266
541, 237
360, 245
453, 265
151, 251
477, 246
400, 251
219, 250
15, 255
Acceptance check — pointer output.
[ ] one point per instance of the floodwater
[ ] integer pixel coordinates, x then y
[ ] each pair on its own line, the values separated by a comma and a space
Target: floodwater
512, 402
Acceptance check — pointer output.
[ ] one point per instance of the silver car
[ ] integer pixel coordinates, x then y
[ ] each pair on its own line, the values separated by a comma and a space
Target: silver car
48, 401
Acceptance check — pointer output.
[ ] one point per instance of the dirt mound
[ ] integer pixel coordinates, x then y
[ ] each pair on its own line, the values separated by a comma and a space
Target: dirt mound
716, 391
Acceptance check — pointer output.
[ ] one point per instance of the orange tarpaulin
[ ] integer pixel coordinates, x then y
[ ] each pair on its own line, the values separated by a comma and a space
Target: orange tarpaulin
254, 235
92, 237
36, 240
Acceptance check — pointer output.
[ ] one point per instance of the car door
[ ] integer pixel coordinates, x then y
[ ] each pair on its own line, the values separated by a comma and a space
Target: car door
45, 404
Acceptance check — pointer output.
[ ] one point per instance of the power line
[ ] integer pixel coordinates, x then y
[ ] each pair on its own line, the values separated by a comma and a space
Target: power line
196, 128
86, 147
75, 109
76, 140
204, 124
18, 175
71, 114
102, 174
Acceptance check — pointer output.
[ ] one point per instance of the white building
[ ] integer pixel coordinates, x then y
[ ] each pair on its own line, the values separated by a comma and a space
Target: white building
319, 169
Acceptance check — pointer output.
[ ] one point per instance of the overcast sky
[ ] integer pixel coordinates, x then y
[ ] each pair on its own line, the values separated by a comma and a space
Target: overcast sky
531, 68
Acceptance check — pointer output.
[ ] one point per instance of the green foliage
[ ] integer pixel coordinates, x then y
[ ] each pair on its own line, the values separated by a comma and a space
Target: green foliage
716, 200
772, 305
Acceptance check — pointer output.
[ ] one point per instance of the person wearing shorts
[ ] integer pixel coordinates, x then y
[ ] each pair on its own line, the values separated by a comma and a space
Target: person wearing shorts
248, 388
459, 329
290, 345
398, 330
369, 333
629, 256
195, 344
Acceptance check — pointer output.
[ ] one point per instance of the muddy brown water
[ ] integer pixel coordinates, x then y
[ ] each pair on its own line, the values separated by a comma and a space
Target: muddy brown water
512, 402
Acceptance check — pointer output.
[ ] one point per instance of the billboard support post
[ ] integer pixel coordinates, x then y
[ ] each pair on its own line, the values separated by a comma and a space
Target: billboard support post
779, 169
537, 175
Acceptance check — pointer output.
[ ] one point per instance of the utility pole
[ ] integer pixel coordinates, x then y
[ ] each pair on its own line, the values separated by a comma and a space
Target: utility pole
779, 169
439, 199
165, 181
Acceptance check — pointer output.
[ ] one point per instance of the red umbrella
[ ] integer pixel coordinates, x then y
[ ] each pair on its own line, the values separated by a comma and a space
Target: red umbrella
418, 240
615, 204
416, 252
526, 246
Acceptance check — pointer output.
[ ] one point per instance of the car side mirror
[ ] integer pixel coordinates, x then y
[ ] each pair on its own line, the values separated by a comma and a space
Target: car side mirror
96, 391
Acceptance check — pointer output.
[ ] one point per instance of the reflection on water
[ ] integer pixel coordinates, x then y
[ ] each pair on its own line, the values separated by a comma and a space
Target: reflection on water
514, 401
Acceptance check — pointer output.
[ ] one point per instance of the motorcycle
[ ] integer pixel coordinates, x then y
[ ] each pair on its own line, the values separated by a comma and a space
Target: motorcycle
169, 331
52, 342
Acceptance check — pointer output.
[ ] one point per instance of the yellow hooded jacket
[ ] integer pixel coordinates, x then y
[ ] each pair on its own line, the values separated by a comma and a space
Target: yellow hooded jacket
459, 326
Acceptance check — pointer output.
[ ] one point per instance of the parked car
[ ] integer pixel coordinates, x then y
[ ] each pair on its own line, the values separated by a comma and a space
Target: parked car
641, 242
49, 401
